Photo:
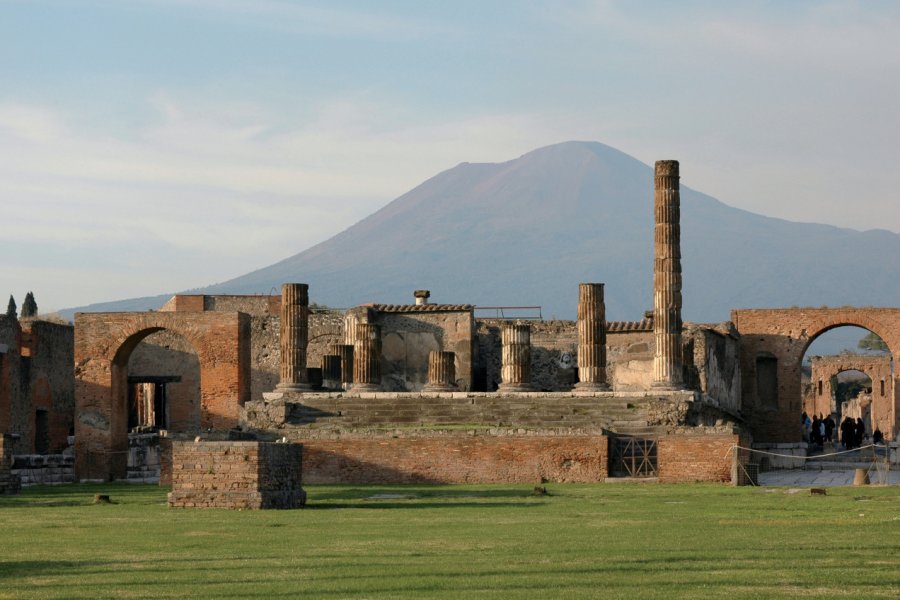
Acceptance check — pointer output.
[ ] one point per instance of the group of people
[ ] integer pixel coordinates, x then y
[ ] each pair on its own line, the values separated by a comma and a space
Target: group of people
852, 432
820, 429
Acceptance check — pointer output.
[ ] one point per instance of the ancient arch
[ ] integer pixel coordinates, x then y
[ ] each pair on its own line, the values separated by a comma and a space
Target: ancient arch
785, 334
103, 344
876, 368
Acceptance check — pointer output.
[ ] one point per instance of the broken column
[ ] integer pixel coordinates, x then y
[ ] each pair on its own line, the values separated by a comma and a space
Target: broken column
515, 362
331, 371
441, 372
591, 338
667, 360
345, 351
367, 358
294, 337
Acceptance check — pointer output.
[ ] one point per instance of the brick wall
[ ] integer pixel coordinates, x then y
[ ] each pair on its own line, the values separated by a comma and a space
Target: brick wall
689, 458
457, 458
236, 475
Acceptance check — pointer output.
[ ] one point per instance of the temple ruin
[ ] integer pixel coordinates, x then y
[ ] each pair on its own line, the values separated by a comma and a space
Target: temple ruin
427, 392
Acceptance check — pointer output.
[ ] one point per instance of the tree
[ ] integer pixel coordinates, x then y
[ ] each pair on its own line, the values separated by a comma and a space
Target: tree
872, 342
29, 306
11, 307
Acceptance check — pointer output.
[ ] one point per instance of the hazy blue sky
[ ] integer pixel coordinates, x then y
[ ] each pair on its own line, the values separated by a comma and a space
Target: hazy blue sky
149, 146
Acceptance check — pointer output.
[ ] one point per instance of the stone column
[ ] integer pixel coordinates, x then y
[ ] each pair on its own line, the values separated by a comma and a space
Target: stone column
367, 358
441, 372
515, 362
667, 360
591, 338
331, 371
294, 337
345, 351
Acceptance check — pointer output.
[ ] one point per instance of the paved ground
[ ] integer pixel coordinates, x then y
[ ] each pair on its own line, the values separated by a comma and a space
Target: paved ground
817, 478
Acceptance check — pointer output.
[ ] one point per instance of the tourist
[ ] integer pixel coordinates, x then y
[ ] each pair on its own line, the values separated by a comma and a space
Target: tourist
829, 429
860, 431
814, 437
848, 432
877, 437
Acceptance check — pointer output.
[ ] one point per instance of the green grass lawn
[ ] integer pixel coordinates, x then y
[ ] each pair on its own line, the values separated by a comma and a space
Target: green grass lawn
581, 541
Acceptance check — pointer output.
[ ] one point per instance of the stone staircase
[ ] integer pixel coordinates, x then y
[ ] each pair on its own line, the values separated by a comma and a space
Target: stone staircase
626, 415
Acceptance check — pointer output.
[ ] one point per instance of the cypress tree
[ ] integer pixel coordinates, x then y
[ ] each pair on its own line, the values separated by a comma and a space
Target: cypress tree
29, 306
11, 307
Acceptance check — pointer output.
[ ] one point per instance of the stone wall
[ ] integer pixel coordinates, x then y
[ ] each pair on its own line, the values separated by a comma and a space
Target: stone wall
456, 458
712, 364
236, 475
44, 469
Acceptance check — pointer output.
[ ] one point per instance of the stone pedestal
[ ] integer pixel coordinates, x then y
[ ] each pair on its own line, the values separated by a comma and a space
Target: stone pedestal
345, 352
591, 338
331, 372
367, 358
515, 361
294, 337
441, 372
667, 360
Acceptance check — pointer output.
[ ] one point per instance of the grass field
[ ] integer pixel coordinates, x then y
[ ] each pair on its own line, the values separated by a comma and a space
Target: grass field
581, 541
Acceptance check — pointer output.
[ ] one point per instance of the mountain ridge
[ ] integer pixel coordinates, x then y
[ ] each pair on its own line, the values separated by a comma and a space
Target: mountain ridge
526, 231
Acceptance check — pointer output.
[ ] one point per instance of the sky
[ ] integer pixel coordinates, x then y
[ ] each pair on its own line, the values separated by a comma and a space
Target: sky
152, 146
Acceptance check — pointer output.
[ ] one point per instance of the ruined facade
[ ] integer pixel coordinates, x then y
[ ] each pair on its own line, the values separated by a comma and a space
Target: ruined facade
37, 399
877, 405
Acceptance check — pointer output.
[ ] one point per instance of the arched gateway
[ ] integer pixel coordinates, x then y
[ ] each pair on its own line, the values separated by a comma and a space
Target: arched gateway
773, 342
103, 344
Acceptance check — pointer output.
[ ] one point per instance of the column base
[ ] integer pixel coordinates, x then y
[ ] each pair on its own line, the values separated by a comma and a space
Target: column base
515, 387
293, 387
439, 388
665, 386
366, 387
591, 386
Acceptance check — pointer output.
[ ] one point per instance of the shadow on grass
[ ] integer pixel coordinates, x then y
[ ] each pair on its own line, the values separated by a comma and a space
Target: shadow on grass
82, 494
398, 497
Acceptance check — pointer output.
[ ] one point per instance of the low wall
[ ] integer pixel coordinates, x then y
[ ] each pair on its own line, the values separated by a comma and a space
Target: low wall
456, 458
236, 475
689, 458
44, 469
143, 457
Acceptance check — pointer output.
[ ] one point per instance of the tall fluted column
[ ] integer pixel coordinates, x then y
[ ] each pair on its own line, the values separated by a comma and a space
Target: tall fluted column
591, 338
515, 361
345, 351
667, 361
441, 372
367, 358
294, 337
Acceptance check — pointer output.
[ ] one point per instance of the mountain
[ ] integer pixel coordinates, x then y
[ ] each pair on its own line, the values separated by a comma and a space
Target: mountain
527, 231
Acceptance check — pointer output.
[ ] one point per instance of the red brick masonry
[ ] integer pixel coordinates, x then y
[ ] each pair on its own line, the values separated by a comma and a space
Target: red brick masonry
236, 475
